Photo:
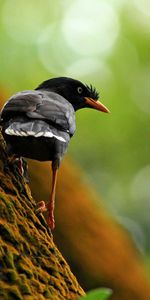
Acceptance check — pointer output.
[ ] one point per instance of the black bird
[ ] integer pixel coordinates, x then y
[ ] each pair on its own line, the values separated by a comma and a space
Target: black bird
38, 124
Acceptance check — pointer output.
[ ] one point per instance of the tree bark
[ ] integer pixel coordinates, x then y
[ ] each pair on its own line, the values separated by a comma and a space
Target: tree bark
31, 266
99, 250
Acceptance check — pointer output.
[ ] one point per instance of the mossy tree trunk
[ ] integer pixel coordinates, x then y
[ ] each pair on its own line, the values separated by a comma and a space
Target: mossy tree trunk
31, 266
99, 250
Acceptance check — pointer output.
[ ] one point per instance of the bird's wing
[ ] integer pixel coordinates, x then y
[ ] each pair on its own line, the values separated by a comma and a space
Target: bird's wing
21, 102
41, 105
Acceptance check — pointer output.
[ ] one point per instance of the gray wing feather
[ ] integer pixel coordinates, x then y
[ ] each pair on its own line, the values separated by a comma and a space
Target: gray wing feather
22, 102
42, 105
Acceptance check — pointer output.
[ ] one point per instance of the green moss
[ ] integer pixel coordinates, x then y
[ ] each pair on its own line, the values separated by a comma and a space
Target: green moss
25, 289
29, 261
11, 276
2, 294
51, 270
7, 186
24, 231
42, 278
7, 234
24, 269
14, 294
51, 282
22, 277
43, 252
26, 249
37, 286
47, 294
7, 212
8, 258
23, 285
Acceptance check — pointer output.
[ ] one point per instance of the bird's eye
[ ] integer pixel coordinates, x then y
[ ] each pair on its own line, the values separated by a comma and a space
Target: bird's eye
79, 89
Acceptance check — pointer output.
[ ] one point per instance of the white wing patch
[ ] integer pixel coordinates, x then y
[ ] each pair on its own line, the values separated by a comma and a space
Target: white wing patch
11, 131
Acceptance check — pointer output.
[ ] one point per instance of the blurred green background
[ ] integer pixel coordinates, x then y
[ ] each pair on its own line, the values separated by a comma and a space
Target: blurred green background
107, 44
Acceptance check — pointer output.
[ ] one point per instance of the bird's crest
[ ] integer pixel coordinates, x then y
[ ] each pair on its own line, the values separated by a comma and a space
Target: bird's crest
93, 91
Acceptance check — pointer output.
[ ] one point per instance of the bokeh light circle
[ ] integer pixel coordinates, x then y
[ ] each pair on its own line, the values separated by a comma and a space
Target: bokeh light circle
143, 6
91, 27
88, 67
24, 20
139, 14
66, 62
49, 44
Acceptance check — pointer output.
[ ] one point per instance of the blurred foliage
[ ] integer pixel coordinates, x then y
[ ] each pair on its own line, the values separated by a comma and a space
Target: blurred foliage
98, 294
108, 45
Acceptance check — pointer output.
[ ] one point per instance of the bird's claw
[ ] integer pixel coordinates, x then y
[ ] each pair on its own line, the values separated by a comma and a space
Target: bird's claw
41, 207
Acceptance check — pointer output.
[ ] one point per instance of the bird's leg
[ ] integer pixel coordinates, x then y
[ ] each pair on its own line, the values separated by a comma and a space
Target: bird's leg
19, 162
51, 204
15, 159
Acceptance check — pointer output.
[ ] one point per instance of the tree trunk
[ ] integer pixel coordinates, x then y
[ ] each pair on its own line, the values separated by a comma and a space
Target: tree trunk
31, 266
100, 251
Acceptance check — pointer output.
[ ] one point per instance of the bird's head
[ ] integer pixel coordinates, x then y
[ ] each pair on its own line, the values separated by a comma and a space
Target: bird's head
77, 93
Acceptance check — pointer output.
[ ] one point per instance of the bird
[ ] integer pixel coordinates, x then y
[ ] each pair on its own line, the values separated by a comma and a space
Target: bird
38, 124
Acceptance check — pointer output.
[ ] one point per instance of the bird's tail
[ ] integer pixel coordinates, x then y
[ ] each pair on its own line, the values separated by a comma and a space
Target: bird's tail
35, 128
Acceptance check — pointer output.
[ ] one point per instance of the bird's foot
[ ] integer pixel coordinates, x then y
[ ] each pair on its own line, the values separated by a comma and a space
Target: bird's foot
51, 221
21, 165
42, 207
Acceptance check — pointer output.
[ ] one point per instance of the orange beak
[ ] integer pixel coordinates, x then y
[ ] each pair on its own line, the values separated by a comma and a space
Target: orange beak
96, 105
